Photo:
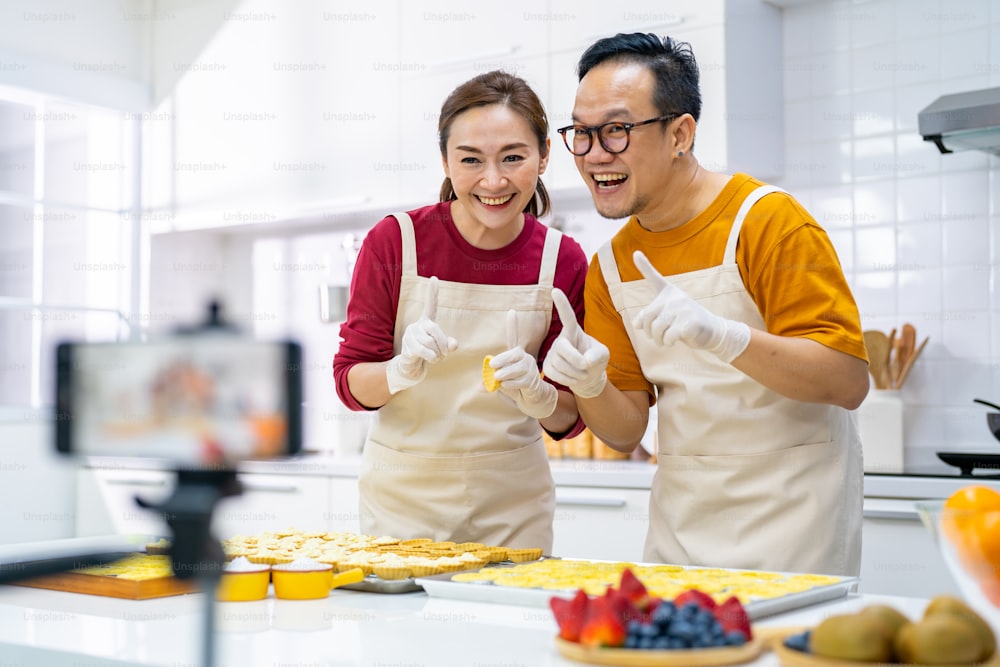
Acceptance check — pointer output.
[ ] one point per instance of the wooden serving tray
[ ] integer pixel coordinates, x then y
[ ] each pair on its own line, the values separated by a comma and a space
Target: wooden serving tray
109, 586
788, 657
699, 657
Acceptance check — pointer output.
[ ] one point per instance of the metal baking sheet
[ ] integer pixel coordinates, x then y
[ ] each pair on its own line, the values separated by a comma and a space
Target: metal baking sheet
373, 584
441, 585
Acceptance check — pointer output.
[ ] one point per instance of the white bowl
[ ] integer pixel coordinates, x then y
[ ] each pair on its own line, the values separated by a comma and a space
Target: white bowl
972, 580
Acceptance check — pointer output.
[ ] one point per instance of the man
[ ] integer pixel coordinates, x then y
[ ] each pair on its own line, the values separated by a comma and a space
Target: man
722, 301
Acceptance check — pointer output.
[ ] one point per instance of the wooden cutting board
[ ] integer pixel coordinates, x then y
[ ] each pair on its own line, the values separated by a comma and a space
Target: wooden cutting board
109, 586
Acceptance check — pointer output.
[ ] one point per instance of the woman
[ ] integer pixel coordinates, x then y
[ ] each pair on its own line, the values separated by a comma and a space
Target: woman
436, 290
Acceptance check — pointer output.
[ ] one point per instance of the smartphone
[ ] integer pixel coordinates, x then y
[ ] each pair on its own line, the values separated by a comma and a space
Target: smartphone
193, 401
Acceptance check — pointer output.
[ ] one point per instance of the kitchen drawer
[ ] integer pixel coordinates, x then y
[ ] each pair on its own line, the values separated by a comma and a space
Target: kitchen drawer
600, 523
106, 502
342, 514
898, 556
272, 503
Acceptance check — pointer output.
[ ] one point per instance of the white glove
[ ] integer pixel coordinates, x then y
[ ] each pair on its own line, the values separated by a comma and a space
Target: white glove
423, 344
517, 372
673, 316
575, 359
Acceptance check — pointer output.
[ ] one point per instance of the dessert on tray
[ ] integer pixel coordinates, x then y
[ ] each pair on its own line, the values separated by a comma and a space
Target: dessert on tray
387, 558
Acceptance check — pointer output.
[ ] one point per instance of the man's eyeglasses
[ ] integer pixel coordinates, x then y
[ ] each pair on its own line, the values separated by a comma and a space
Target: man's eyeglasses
614, 136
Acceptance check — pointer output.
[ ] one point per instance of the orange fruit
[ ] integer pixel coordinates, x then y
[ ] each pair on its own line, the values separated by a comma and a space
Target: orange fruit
971, 522
962, 506
991, 589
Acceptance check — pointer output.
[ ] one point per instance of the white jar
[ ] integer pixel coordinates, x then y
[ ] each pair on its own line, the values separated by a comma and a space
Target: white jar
880, 423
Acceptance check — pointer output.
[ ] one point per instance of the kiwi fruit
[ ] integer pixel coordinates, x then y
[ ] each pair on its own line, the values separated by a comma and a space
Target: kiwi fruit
938, 639
851, 637
947, 604
892, 618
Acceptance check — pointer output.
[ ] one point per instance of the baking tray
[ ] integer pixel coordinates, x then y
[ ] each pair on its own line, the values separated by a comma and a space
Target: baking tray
373, 584
441, 585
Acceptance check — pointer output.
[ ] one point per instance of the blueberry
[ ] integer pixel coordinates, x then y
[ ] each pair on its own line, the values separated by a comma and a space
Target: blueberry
664, 614
735, 638
645, 643
631, 641
683, 629
799, 642
661, 643
674, 643
689, 610
648, 630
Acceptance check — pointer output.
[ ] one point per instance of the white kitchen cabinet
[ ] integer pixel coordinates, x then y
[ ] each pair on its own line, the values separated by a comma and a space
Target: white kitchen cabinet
600, 523
342, 512
272, 503
106, 502
898, 556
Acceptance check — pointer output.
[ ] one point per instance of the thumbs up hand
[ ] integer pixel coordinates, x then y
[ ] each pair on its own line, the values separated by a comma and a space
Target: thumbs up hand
575, 359
674, 316
424, 344
517, 372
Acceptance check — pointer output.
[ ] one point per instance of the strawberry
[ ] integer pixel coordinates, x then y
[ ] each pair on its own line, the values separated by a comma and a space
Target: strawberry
703, 600
570, 614
623, 608
602, 627
732, 616
634, 589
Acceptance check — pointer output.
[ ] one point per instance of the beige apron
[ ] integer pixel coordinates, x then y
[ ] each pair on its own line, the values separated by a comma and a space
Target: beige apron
745, 478
446, 459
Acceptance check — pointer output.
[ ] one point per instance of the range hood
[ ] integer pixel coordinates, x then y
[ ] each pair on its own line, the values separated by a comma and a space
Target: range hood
963, 121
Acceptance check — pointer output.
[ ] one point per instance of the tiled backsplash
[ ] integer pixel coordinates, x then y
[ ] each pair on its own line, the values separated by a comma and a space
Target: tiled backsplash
918, 232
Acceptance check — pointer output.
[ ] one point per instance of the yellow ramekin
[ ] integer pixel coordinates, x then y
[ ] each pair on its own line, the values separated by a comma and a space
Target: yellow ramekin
244, 586
302, 584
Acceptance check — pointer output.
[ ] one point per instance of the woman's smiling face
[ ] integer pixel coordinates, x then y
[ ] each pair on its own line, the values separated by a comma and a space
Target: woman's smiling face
493, 160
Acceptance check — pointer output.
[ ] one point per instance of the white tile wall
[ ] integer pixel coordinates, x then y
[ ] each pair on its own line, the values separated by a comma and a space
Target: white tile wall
921, 242
918, 232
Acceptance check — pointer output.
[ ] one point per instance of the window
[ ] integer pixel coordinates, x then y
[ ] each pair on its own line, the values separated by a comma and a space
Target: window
66, 235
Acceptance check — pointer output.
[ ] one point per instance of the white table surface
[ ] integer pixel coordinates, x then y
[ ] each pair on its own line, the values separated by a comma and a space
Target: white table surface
40, 627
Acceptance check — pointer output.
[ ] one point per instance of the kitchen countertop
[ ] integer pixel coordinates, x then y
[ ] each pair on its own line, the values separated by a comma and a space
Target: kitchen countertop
589, 473
347, 628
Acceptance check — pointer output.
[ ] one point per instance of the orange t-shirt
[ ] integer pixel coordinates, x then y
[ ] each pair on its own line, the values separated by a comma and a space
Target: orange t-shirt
786, 260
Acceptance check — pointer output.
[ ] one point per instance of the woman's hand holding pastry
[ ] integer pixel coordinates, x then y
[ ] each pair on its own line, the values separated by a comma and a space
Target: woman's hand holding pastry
576, 359
673, 316
517, 373
424, 343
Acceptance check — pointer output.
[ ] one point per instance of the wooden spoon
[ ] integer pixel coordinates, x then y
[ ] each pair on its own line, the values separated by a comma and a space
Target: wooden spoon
909, 362
878, 353
891, 365
907, 345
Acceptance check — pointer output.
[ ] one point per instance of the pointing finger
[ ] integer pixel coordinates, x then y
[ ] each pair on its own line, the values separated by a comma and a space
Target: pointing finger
566, 313
647, 270
431, 304
511, 329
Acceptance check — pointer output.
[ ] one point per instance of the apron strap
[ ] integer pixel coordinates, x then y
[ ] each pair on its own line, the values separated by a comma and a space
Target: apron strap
734, 233
612, 278
550, 255
409, 251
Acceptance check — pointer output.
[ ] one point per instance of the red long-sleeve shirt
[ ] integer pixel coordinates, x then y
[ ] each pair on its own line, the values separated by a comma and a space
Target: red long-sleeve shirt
367, 334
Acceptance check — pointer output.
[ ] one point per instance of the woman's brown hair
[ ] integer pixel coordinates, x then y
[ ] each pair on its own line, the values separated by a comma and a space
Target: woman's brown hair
497, 87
